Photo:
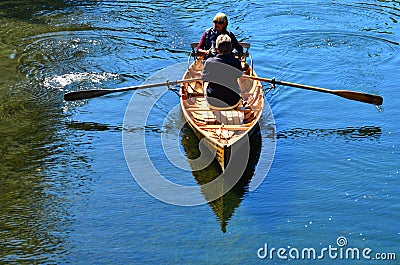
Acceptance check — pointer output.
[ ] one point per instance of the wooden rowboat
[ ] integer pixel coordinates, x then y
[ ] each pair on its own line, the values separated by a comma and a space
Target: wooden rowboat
221, 129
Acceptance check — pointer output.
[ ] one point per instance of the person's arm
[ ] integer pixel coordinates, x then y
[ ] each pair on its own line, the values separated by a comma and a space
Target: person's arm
236, 45
202, 43
200, 46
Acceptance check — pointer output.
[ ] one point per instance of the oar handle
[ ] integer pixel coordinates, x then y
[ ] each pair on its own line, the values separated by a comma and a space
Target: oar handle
93, 93
352, 95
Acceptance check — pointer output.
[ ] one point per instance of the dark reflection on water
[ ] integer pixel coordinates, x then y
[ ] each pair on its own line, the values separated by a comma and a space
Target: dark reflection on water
28, 10
40, 169
349, 133
225, 206
91, 126
32, 214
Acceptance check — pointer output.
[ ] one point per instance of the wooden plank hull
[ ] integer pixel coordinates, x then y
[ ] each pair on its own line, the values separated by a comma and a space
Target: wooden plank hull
222, 130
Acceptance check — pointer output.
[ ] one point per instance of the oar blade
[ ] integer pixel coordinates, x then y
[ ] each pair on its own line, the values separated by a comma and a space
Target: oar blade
358, 96
86, 94
352, 95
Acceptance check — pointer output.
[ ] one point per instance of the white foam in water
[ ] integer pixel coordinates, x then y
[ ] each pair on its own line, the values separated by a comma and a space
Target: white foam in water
61, 81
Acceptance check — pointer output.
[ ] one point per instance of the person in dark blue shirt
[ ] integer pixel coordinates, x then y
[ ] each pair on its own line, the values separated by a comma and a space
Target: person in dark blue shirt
209, 37
222, 73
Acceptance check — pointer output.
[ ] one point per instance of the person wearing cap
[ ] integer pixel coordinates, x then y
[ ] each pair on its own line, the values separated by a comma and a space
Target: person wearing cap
222, 73
209, 37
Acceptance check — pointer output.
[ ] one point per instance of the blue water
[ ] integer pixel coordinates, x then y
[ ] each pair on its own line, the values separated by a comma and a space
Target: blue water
68, 195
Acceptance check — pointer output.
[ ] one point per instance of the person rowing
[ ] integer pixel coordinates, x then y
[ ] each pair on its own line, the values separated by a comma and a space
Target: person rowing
208, 40
222, 73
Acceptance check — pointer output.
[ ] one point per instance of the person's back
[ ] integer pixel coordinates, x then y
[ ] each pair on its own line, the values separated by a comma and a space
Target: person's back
222, 72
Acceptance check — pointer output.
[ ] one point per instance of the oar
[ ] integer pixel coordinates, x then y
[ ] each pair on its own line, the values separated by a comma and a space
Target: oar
93, 93
352, 95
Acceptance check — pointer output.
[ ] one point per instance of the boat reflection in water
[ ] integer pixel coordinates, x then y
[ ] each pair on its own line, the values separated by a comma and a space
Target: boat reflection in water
225, 205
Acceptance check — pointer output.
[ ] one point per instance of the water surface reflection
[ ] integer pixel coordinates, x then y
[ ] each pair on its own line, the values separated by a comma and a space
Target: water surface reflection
38, 169
225, 206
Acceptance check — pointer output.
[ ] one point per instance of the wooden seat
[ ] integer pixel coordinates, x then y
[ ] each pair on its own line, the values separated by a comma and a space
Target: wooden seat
229, 117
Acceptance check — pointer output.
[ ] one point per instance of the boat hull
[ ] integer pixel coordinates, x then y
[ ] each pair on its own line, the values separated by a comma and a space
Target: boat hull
225, 131
223, 153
